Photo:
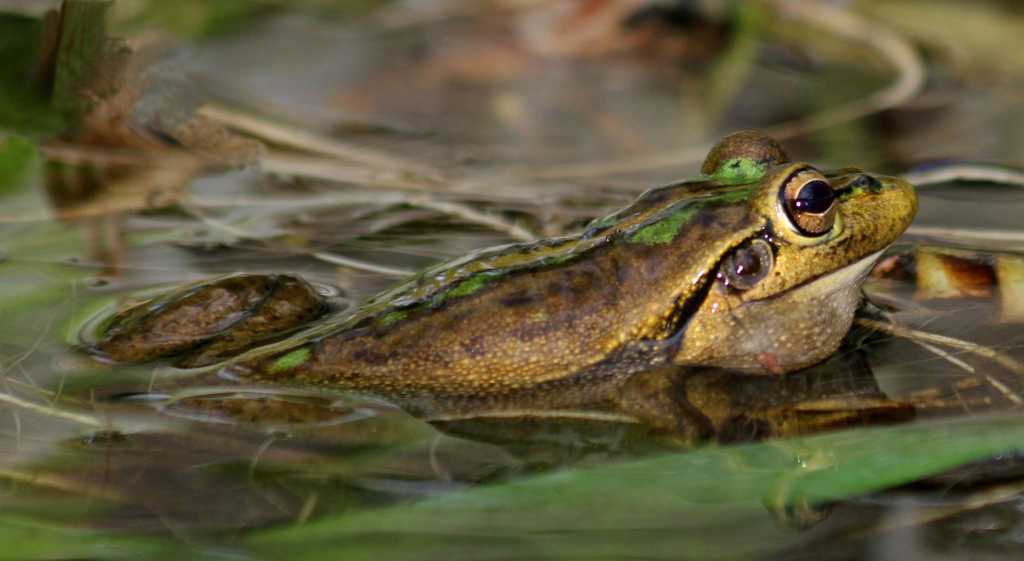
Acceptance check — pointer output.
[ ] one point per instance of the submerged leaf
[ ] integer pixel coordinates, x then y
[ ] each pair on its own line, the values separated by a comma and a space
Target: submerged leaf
27, 539
690, 502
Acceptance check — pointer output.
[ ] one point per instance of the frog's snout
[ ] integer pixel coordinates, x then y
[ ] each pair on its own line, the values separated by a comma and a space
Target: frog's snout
901, 198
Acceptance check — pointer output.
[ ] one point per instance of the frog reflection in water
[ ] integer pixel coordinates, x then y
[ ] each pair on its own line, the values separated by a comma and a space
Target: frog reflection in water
754, 267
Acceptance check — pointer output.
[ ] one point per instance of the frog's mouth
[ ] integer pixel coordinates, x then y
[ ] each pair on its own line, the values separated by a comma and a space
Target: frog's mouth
840, 279
846, 278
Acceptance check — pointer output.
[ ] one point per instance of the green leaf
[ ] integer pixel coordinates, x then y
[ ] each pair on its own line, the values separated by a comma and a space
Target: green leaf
26, 539
17, 156
24, 105
658, 507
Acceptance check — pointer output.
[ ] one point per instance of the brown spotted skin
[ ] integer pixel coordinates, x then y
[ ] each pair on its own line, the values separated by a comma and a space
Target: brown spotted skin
534, 324
291, 303
644, 287
217, 319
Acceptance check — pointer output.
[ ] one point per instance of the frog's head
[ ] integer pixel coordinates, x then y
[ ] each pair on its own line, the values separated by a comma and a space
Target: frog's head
785, 292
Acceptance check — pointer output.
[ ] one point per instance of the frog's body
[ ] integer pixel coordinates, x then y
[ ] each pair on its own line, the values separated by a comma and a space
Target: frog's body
755, 267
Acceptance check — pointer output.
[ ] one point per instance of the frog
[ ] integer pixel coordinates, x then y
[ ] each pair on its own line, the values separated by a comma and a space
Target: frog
756, 267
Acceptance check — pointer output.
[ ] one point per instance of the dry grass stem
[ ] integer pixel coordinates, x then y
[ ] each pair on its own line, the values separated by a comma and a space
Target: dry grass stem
513, 230
330, 169
973, 501
537, 414
967, 234
255, 460
51, 481
360, 265
307, 508
102, 157
50, 411
435, 462
982, 351
966, 172
292, 204
313, 143
946, 356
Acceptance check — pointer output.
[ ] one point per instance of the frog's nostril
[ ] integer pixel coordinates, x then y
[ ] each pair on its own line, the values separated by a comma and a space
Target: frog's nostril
865, 181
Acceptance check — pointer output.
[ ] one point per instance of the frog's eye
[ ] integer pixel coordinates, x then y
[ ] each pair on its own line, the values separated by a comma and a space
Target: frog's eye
746, 266
810, 202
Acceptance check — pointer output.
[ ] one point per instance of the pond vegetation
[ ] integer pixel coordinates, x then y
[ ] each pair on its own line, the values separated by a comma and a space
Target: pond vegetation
147, 145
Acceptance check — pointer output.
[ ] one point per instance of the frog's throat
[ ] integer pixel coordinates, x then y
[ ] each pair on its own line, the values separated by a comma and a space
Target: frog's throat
849, 276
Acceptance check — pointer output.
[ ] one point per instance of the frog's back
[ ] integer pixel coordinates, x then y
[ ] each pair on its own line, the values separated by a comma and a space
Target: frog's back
490, 327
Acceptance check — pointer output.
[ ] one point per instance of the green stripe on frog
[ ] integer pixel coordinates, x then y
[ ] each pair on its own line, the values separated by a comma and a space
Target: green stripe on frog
467, 287
664, 230
289, 361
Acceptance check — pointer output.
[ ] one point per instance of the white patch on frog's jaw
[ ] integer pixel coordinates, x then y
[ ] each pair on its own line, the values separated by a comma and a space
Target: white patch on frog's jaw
852, 274
849, 276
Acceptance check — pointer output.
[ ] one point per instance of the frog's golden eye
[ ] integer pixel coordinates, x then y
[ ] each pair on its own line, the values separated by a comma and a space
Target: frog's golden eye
746, 266
810, 202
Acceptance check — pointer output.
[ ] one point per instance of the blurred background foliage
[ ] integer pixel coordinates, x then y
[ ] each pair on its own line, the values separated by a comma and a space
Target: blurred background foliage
147, 144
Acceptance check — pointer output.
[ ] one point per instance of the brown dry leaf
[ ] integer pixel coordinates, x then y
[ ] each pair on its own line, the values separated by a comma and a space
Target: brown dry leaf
109, 161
